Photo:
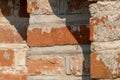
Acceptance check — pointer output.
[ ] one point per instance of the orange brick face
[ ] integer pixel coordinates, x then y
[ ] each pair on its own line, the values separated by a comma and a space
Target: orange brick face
47, 66
8, 34
6, 57
13, 76
58, 36
99, 70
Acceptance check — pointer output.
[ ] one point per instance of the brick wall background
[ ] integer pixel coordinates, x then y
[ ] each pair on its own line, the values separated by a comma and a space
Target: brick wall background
51, 40
58, 36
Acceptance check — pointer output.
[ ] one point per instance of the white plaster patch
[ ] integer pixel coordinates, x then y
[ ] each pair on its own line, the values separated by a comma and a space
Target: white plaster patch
103, 8
75, 28
45, 27
100, 46
109, 57
20, 57
113, 18
13, 69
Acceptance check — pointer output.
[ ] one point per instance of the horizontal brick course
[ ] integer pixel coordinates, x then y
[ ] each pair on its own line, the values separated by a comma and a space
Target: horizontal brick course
7, 57
46, 65
105, 60
75, 63
57, 36
8, 34
13, 54
100, 70
21, 76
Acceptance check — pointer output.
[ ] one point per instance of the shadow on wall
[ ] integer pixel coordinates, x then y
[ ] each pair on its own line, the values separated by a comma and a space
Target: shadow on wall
15, 12
76, 13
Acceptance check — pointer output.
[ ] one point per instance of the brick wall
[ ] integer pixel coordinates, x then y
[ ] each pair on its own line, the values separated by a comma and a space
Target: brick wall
104, 32
44, 40
51, 40
58, 36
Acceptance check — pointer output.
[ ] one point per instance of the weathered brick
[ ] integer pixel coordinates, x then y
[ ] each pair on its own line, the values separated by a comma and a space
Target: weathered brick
8, 34
105, 61
17, 23
13, 76
46, 65
75, 62
13, 61
101, 46
42, 6
105, 29
100, 70
13, 54
6, 57
42, 36
104, 8
105, 22
79, 65
13, 70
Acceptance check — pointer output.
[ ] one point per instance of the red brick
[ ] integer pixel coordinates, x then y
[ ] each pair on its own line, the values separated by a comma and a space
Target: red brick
58, 36
13, 76
78, 66
46, 65
6, 57
13, 54
99, 70
8, 34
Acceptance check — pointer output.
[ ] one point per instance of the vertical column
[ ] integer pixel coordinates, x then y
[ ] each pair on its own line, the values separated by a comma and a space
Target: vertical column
105, 34
58, 36
12, 49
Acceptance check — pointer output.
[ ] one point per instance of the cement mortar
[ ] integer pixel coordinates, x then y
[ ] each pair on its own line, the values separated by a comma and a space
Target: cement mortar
103, 8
